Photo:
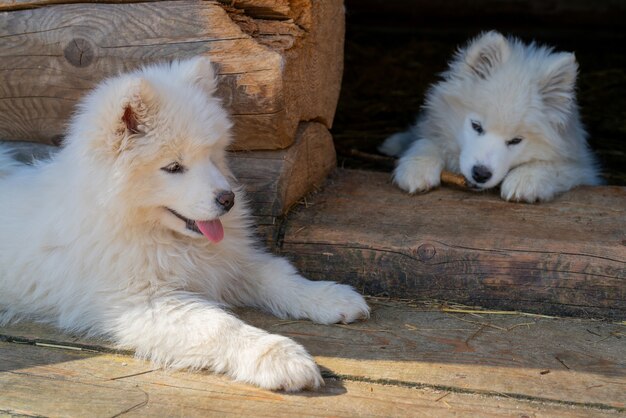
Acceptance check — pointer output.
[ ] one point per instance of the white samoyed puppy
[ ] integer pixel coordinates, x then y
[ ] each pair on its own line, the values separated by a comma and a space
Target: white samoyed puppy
135, 231
504, 114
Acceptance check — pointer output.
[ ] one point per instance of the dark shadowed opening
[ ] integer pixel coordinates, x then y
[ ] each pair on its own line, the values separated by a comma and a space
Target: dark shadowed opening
395, 49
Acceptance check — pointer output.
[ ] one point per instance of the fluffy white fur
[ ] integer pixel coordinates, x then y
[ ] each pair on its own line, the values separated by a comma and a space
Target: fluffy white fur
505, 113
86, 241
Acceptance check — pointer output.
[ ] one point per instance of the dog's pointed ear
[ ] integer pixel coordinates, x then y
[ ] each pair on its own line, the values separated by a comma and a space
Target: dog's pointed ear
557, 87
199, 71
134, 112
485, 53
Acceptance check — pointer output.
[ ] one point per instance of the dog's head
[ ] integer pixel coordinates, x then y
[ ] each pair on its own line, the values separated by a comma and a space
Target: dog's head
516, 102
159, 136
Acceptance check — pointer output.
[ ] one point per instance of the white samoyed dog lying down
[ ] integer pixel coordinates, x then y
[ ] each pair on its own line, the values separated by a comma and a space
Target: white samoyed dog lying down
132, 231
505, 113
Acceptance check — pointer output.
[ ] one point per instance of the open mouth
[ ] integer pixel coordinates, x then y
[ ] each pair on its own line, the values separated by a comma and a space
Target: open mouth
212, 229
189, 223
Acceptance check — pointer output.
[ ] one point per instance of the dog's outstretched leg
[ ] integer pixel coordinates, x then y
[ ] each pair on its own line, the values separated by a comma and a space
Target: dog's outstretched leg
419, 169
182, 331
274, 285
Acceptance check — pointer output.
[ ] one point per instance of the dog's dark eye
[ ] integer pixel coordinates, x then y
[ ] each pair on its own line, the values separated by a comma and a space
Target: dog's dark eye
514, 141
478, 127
173, 168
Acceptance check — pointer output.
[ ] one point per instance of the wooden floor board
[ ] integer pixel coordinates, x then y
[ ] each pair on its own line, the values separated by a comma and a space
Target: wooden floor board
409, 359
75, 387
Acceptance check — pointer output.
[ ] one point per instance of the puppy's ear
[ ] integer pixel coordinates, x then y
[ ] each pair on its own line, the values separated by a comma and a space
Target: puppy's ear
486, 53
199, 71
134, 112
557, 85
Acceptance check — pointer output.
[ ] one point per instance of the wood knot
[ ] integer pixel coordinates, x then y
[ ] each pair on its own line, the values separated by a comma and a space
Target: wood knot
79, 52
426, 251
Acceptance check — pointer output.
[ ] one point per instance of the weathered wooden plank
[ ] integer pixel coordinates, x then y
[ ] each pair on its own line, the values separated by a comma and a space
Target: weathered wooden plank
264, 9
273, 73
275, 180
45, 381
407, 344
563, 257
559, 359
10, 5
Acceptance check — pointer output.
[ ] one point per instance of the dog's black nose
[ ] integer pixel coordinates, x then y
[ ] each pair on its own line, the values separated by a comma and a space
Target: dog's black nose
480, 173
225, 199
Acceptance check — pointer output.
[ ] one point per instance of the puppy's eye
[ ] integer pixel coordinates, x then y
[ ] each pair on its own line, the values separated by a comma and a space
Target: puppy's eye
514, 141
174, 168
478, 127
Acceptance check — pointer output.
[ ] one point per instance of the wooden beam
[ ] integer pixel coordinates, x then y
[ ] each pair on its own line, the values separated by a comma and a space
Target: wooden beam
264, 9
566, 257
536, 363
73, 386
276, 180
275, 70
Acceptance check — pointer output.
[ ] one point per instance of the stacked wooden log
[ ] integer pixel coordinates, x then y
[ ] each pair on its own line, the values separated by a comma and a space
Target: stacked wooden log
279, 63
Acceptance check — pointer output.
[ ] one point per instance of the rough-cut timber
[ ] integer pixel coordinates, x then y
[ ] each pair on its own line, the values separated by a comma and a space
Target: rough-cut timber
273, 180
563, 257
406, 360
280, 62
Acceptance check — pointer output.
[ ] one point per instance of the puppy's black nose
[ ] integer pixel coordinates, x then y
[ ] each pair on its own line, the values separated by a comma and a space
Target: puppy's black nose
225, 199
480, 173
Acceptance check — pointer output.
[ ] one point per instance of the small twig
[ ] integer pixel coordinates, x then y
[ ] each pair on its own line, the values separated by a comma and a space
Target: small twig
527, 324
562, 362
441, 397
594, 333
481, 323
453, 179
487, 312
353, 152
278, 324
63, 346
299, 230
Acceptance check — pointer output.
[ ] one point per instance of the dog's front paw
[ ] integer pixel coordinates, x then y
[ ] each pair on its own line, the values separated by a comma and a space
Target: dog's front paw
417, 174
279, 363
333, 302
527, 184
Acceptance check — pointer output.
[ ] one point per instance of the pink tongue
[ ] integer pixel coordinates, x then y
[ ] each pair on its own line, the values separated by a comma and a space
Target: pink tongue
213, 230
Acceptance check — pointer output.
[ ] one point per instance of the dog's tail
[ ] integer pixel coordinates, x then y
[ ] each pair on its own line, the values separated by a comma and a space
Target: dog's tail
396, 144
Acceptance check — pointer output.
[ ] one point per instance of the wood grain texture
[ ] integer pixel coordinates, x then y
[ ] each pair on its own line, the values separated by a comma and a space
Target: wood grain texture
71, 386
275, 180
563, 257
273, 73
406, 359
11, 5
265, 9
